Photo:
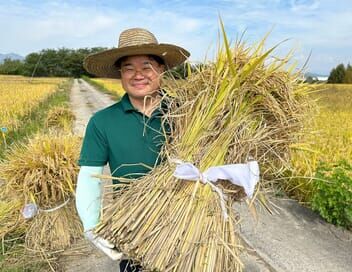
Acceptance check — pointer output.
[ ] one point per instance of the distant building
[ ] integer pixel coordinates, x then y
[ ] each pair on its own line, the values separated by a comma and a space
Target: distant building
321, 78
315, 78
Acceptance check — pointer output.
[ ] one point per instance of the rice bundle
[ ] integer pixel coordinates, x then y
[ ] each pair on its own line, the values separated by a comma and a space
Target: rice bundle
237, 108
60, 118
44, 172
54, 230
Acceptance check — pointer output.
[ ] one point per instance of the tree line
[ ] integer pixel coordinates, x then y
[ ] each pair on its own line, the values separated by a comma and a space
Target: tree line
61, 62
341, 74
65, 62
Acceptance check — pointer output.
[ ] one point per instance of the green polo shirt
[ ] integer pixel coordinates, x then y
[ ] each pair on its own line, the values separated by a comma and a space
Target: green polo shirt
123, 137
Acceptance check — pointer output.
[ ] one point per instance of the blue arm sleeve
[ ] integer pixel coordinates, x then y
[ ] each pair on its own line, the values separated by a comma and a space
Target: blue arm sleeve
89, 196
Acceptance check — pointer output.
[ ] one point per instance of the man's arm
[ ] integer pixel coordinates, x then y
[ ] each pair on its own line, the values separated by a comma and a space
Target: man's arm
88, 204
88, 196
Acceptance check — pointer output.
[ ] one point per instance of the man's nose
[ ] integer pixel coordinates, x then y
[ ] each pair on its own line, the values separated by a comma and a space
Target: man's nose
138, 74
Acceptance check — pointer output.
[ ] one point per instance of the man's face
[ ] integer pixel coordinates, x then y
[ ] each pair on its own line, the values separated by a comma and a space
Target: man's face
140, 76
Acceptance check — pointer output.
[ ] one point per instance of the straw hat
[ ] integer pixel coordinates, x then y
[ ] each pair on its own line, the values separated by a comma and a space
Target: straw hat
134, 41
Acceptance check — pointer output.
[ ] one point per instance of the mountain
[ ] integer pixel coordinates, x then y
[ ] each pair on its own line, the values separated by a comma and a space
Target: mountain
314, 75
12, 56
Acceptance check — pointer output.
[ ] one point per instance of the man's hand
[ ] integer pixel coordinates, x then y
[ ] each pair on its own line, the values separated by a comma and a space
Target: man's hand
104, 245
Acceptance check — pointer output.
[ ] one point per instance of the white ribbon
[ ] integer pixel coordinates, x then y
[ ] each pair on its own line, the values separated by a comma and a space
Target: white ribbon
245, 175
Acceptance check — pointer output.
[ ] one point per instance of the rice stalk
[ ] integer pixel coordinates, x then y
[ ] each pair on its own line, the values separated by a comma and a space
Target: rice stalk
11, 222
52, 231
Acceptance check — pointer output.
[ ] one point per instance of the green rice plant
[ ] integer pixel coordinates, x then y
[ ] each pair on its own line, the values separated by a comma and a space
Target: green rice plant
325, 137
332, 193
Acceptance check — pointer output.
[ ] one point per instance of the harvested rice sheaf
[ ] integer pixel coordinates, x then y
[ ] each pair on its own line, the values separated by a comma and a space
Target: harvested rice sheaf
243, 106
54, 230
44, 172
44, 169
60, 118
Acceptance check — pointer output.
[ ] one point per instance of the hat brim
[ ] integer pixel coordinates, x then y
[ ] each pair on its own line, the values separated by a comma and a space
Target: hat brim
102, 64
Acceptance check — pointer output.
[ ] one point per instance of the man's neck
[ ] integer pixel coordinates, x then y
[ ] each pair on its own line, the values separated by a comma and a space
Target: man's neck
147, 104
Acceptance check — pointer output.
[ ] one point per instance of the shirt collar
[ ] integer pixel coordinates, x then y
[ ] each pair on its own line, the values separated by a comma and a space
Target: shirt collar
128, 107
126, 103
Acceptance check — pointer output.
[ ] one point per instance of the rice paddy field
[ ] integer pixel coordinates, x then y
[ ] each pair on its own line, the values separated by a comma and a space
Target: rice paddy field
326, 138
113, 85
20, 95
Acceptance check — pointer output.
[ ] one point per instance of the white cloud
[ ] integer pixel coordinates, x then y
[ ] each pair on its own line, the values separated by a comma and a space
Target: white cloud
304, 5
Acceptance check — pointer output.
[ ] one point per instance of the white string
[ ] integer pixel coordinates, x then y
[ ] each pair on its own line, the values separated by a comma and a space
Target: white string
55, 208
222, 199
31, 209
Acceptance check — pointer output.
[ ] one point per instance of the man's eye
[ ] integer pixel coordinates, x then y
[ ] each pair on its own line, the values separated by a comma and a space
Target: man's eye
128, 69
147, 68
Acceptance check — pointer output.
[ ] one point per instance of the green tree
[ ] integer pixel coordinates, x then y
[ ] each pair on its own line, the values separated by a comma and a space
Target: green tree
33, 65
62, 62
181, 71
11, 67
348, 75
337, 74
310, 79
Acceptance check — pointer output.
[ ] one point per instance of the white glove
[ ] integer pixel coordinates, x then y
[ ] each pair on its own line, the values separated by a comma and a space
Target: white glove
104, 245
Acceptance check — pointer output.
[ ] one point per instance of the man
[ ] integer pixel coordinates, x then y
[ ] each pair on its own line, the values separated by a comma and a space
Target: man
126, 135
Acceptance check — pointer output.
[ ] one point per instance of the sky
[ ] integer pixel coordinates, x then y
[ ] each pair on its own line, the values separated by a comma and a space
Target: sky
318, 30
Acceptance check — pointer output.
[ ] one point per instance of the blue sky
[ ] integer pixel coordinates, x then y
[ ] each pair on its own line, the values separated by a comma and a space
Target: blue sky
321, 27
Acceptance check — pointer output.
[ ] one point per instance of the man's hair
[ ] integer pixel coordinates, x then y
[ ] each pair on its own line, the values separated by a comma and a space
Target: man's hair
158, 59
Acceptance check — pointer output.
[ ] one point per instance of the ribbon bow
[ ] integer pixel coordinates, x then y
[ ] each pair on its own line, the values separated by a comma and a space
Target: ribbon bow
245, 175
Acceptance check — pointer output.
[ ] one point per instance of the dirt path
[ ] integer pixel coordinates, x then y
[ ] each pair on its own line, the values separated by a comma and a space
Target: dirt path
86, 100
82, 257
295, 238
